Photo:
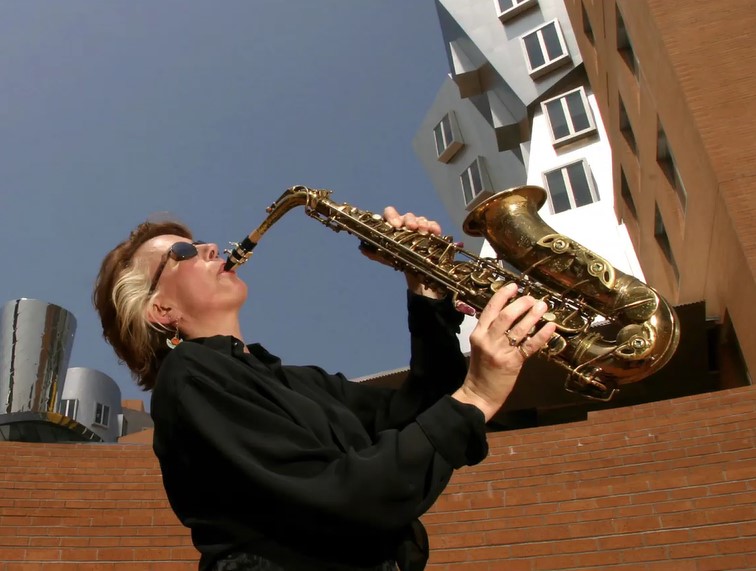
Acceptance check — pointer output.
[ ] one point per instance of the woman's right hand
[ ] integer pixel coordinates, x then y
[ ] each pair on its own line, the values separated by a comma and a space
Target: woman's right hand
499, 346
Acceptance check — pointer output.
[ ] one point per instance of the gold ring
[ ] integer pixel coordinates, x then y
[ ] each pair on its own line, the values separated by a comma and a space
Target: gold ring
513, 342
523, 352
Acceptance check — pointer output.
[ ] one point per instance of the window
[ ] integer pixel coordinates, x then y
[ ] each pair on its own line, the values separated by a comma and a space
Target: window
69, 408
508, 9
102, 415
447, 138
627, 196
570, 116
660, 233
587, 28
667, 164
624, 47
545, 49
626, 128
570, 187
474, 180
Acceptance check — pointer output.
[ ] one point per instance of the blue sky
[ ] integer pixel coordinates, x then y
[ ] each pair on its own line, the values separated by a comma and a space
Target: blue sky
114, 111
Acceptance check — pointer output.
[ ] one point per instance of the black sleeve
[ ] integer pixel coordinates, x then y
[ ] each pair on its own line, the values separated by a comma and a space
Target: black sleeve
385, 485
437, 368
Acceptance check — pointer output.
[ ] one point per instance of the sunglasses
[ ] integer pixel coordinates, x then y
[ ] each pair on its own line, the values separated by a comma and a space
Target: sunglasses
180, 251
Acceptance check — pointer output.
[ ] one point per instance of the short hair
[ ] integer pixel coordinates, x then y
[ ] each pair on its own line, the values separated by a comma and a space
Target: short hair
120, 296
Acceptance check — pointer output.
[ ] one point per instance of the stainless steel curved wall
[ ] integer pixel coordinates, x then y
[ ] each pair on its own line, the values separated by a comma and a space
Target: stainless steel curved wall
35, 345
92, 389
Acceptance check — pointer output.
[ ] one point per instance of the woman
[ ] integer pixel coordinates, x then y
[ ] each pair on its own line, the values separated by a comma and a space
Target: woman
288, 468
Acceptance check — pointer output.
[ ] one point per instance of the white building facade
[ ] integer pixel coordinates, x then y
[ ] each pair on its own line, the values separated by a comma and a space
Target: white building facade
517, 109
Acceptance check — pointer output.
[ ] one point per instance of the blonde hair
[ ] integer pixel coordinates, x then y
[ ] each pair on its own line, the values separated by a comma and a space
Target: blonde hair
121, 296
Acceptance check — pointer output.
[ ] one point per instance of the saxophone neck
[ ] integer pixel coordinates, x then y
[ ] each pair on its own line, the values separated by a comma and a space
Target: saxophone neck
291, 198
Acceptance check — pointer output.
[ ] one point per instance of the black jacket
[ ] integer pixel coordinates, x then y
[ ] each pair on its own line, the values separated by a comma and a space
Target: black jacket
306, 468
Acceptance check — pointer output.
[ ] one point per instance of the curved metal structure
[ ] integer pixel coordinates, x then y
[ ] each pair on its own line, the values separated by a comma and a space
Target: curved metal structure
36, 338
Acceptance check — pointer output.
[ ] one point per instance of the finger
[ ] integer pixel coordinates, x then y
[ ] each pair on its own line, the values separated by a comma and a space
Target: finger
422, 224
510, 317
525, 321
425, 226
494, 306
533, 344
410, 221
392, 216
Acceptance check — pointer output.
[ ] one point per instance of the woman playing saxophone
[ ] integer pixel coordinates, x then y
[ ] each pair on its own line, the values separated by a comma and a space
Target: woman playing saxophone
282, 467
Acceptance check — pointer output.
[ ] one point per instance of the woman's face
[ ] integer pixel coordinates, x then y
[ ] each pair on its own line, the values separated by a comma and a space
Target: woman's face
194, 289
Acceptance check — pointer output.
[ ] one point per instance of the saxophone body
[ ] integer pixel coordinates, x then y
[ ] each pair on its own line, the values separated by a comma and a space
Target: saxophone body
581, 289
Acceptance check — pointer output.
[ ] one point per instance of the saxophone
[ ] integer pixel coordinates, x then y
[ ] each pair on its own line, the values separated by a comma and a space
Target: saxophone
581, 289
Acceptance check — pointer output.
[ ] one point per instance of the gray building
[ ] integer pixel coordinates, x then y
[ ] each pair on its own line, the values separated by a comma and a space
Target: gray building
41, 398
36, 338
517, 109
93, 399
504, 59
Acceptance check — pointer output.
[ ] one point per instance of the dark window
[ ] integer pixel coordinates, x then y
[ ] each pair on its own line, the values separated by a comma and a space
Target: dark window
587, 28
627, 196
570, 187
102, 415
535, 53
666, 162
569, 116
660, 233
69, 408
624, 46
508, 9
472, 181
545, 48
447, 138
626, 128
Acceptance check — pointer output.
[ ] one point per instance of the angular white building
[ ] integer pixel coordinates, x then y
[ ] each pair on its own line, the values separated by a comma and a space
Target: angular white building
517, 109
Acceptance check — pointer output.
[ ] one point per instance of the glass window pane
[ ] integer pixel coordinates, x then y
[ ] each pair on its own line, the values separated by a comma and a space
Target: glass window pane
68, 408
558, 191
557, 118
439, 139
466, 188
578, 112
581, 192
477, 183
551, 39
533, 47
446, 125
505, 5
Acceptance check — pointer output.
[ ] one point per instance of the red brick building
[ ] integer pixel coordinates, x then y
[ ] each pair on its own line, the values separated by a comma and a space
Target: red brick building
667, 485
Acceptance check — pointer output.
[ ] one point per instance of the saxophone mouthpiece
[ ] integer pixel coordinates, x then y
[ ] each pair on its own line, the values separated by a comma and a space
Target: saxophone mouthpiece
240, 254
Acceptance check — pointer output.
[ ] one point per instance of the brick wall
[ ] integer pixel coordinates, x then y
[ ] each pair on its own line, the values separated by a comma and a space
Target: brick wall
87, 507
667, 485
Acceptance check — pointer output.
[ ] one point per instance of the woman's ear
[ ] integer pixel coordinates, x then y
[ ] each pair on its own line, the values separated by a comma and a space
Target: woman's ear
160, 314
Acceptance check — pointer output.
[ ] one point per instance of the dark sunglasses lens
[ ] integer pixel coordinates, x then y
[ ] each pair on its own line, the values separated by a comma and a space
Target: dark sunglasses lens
183, 250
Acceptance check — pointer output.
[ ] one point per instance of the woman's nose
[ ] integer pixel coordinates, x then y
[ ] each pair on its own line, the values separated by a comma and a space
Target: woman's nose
211, 250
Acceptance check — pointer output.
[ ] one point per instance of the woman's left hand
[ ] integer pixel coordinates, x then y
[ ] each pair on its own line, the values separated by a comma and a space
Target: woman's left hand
417, 224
